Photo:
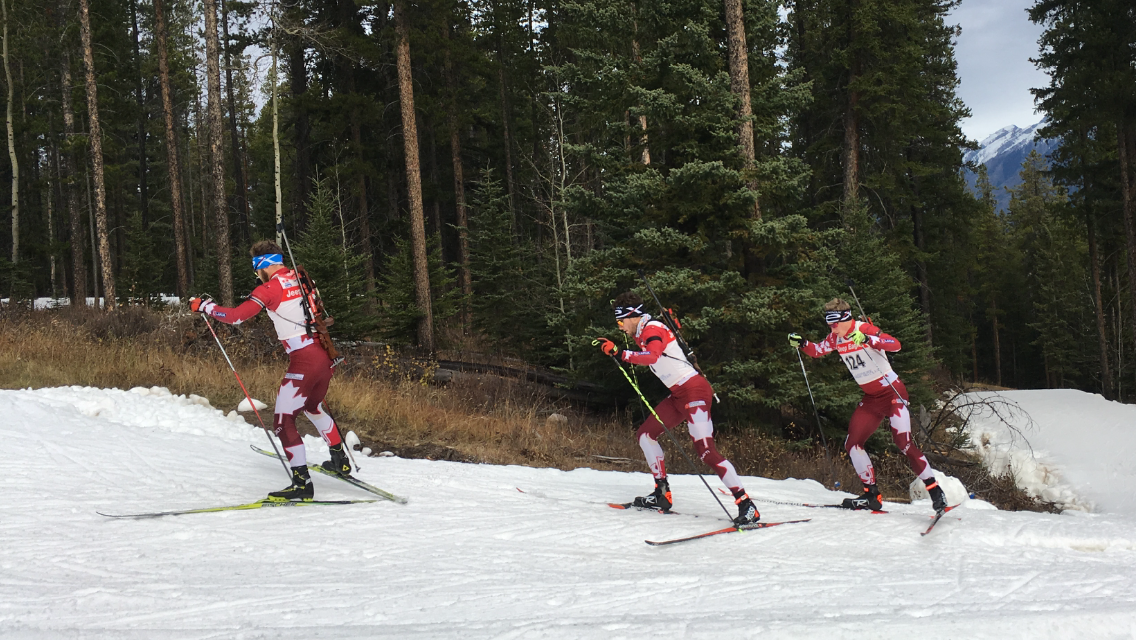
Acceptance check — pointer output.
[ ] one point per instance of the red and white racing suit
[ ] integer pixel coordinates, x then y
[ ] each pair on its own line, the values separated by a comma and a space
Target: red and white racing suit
690, 400
869, 365
309, 368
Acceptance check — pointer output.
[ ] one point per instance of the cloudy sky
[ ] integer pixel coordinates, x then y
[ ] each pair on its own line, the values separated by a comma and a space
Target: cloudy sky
993, 62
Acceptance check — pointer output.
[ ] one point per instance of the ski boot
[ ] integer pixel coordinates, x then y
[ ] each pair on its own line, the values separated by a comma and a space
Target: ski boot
938, 498
339, 462
870, 499
747, 512
301, 488
660, 499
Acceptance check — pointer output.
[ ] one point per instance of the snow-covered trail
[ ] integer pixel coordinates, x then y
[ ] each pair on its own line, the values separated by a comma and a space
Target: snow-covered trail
472, 557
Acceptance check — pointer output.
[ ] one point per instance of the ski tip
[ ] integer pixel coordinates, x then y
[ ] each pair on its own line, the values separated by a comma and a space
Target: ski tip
616, 505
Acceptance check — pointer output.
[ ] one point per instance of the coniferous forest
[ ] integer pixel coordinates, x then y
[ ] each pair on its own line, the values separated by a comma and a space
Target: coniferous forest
501, 169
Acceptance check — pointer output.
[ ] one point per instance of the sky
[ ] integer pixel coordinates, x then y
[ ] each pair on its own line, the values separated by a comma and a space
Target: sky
993, 55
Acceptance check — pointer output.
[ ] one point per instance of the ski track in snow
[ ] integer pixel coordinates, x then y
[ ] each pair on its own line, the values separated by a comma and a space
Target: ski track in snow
472, 557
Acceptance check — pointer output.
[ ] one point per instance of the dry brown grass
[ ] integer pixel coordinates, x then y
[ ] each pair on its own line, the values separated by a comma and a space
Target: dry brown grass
383, 397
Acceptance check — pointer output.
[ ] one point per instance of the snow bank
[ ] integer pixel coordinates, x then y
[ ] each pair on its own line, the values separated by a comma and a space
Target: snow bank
55, 303
472, 557
1065, 446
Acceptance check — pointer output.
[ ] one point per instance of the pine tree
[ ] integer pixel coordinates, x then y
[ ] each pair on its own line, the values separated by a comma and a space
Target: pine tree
399, 316
335, 266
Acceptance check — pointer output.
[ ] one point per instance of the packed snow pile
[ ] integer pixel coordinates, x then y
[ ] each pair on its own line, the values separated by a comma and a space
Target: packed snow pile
471, 556
1065, 446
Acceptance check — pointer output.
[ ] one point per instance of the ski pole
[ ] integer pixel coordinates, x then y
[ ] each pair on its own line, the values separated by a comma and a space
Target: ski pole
308, 314
670, 435
249, 398
668, 320
820, 429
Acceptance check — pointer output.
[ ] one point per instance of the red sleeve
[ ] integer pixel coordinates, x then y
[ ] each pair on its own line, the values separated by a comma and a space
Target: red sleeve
238, 314
653, 340
879, 340
818, 349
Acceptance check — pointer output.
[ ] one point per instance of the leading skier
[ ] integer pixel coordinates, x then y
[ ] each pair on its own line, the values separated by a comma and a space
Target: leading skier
690, 400
862, 347
309, 368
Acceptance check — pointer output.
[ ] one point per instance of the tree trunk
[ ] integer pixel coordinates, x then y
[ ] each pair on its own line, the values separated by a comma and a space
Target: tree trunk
644, 148
1127, 205
96, 137
241, 195
12, 148
851, 151
68, 186
921, 266
459, 191
997, 342
1098, 307
413, 182
361, 208
276, 137
172, 160
739, 85
216, 154
143, 195
506, 128
298, 80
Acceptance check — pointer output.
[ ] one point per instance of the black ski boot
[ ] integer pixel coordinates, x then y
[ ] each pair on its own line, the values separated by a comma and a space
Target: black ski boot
339, 462
301, 488
747, 512
870, 499
659, 499
938, 498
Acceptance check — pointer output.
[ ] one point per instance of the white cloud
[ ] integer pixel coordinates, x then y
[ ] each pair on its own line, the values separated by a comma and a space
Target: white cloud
993, 55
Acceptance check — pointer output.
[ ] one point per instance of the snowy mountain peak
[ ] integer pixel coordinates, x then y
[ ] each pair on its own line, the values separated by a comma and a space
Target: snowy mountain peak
1003, 141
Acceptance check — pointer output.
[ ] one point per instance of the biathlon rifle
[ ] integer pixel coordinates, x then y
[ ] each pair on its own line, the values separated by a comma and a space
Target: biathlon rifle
315, 315
667, 316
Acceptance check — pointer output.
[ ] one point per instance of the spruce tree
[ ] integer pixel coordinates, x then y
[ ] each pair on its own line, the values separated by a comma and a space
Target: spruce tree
335, 265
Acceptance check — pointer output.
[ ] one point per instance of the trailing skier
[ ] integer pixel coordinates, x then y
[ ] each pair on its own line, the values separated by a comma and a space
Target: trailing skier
863, 348
690, 400
310, 367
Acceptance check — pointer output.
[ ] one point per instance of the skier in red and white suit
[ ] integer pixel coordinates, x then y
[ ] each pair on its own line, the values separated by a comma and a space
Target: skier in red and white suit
690, 401
862, 347
309, 368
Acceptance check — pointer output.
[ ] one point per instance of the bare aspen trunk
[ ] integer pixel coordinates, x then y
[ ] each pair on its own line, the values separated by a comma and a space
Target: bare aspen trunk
739, 85
459, 191
97, 158
234, 134
172, 159
69, 187
216, 154
12, 146
276, 138
413, 182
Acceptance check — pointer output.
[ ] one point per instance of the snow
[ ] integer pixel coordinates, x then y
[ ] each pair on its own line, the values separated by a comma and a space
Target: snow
1002, 141
472, 557
55, 303
256, 405
1066, 446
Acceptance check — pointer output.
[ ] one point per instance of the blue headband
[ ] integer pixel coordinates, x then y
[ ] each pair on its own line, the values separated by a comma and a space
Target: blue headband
265, 261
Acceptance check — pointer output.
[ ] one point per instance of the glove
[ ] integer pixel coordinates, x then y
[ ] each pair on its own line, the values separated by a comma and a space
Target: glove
609, 347
201, 305
858, 337
795, 340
